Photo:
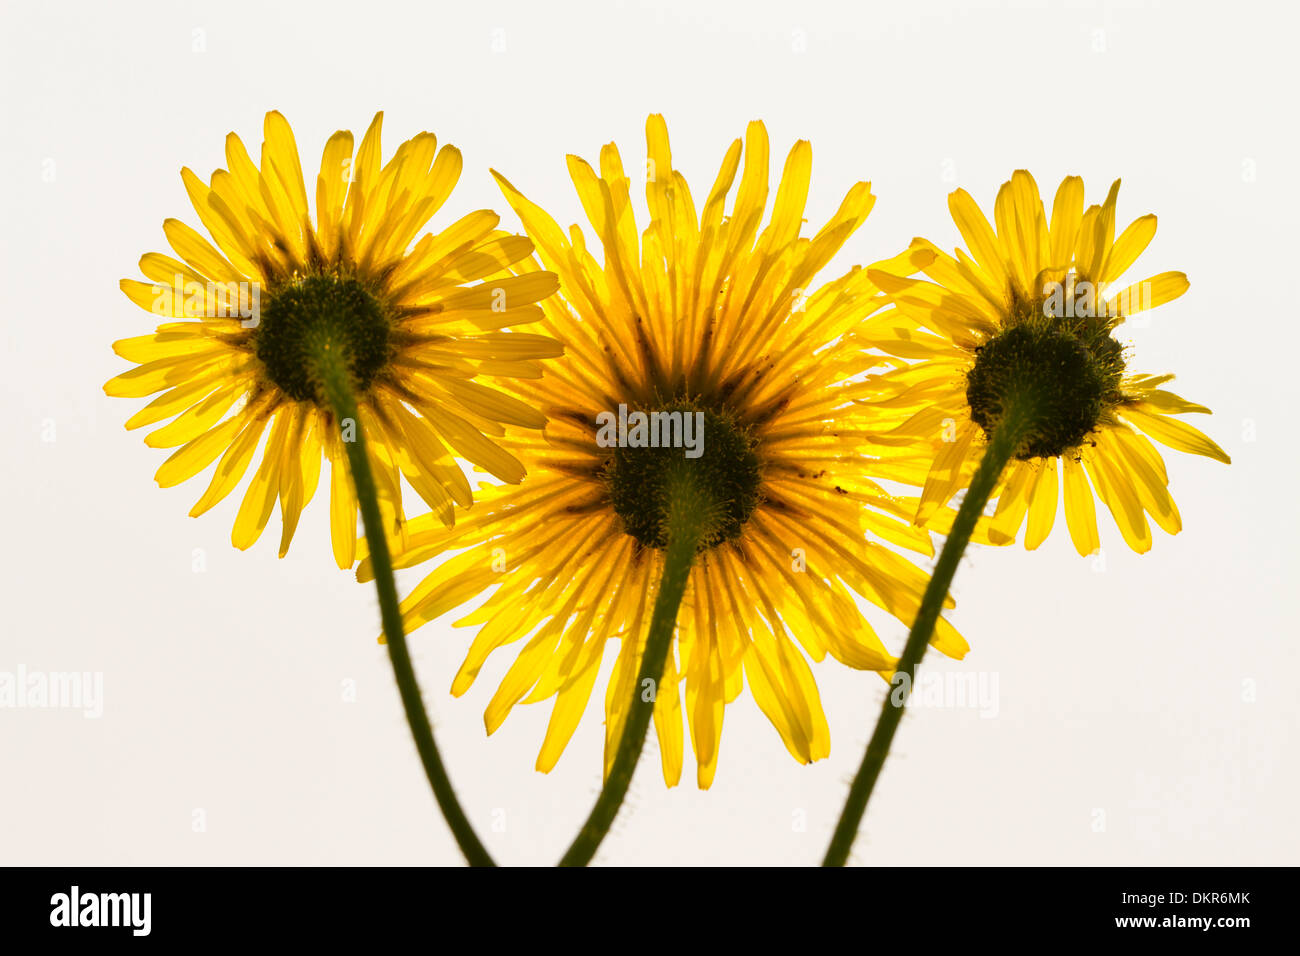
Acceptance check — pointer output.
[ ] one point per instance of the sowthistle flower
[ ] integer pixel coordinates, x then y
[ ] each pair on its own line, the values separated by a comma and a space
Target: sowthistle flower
1021, 376
702, 318
1030, 315
424, 341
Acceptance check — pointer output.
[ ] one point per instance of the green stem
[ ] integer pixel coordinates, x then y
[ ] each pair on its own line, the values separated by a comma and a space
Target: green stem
689, 515
337, 382
1016, 424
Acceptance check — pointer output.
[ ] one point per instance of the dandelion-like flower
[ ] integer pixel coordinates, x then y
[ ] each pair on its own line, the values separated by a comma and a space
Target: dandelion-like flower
424, 342
701, 327
1029, 312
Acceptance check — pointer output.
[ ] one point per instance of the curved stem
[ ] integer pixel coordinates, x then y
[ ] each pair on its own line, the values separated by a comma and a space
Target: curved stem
687, 521
337, 381
1011, 431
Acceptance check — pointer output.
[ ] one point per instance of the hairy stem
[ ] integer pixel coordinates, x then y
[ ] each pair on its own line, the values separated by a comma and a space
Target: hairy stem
689, 514
1010, 433
337, 382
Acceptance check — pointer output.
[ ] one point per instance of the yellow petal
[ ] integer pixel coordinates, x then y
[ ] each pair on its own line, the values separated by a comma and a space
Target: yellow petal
471, 443
332, 187
343, 504
1171, 432
291, 490
165, 373
1013, 502
1067, 211
1042, 506
1149, 293
1130, 244
197, 454
1114, 489
283, 153
979, 235
1080, 514
232, 242
233, 463
1149, 484
945, 474
198, 252
259, 499
196, 420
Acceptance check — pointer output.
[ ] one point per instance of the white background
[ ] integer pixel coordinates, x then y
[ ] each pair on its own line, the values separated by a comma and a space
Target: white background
1158, 690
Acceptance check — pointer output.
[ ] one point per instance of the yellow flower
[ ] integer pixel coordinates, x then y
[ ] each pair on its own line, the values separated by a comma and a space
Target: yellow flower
700, 316
1037, 295
419, 336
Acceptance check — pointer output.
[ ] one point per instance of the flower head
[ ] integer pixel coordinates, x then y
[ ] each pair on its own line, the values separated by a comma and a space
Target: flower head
422, 338
702, 340
1029, 315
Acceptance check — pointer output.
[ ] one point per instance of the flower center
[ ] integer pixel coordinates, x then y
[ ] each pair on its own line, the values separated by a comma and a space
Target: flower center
720, 457
1065, 367
316, 313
